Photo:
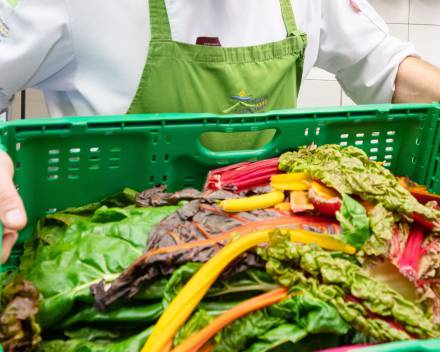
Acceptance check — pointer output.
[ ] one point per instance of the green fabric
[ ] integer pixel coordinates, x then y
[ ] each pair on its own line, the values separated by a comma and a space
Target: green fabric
180, 77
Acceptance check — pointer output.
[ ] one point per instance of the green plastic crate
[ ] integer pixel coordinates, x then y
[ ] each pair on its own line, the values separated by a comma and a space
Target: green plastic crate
67, 162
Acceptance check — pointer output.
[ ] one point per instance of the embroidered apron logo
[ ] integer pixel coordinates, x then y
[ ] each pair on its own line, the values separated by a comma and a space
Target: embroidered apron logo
244, 104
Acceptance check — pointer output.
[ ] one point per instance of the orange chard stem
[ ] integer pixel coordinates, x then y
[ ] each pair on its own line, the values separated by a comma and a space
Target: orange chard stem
194, 342
207, 348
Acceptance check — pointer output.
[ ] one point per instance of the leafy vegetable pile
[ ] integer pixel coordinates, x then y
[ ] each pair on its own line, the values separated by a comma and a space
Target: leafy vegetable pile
393, 210
195, 233
18, 326
262, 260
352, 291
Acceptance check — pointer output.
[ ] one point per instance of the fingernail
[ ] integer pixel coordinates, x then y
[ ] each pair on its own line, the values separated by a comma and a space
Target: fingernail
13, 217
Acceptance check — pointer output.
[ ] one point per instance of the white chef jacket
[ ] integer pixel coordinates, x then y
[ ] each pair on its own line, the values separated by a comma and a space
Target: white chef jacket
88, 55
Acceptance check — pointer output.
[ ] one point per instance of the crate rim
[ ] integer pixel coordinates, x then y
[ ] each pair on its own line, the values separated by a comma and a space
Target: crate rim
188, 118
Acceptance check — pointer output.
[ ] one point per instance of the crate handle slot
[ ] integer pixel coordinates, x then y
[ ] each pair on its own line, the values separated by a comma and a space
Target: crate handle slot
236, 145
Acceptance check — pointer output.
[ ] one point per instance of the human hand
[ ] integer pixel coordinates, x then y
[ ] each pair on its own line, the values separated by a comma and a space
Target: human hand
12, 212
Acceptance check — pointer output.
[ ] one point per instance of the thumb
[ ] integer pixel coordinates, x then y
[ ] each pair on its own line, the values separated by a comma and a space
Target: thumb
12, 213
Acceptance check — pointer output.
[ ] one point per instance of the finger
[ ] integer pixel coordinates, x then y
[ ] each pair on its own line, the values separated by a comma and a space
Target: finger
8, 241
12, 213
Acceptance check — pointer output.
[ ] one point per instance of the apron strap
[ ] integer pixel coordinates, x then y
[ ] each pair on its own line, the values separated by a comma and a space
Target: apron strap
288, 17
159, 22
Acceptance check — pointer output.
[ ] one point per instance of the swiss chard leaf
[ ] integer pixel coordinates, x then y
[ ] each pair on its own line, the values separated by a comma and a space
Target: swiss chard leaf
312, 314
287, 322
124, 314
315, 270
354, 222
150, 302
82, 344
178, 280
93, 334
236, 336
74, 252
310, 343
252, 280
277, 337
197, 322
152, 291
349, 170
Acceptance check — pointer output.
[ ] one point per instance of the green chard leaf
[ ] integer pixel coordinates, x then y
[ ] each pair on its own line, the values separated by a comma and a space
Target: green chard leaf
237, 335
332, 280
125, 313
152, 290
274, 341
177, 280
310, 313
109, 330
197, 322
382, 223
93, 334
284, 334
73, 250
250, 281
287, 322
130, 344
350, 171
354, 222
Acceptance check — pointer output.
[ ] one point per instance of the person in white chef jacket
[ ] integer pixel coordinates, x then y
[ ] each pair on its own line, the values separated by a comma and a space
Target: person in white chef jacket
89, 56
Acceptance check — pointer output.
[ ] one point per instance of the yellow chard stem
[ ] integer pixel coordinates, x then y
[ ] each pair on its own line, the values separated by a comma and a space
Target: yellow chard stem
180, 309
291, 182
262, 201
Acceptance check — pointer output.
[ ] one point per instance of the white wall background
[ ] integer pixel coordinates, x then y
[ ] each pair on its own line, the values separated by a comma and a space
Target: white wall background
417, 21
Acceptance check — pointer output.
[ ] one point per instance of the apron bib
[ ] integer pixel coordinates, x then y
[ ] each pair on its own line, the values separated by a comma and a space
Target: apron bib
187, 78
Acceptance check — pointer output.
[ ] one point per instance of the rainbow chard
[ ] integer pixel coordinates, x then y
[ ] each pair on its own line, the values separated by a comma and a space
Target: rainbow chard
425, 222
407, 250
300, 202
242, 176
417, 256
420, 192
195, 233
367, 304
429, 276
413, 253
325, 200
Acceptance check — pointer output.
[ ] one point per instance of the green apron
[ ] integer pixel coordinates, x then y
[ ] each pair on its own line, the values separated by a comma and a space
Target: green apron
187, 78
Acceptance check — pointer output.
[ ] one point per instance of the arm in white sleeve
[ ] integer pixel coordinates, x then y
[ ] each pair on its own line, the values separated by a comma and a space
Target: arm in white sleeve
35, 44
356, 46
